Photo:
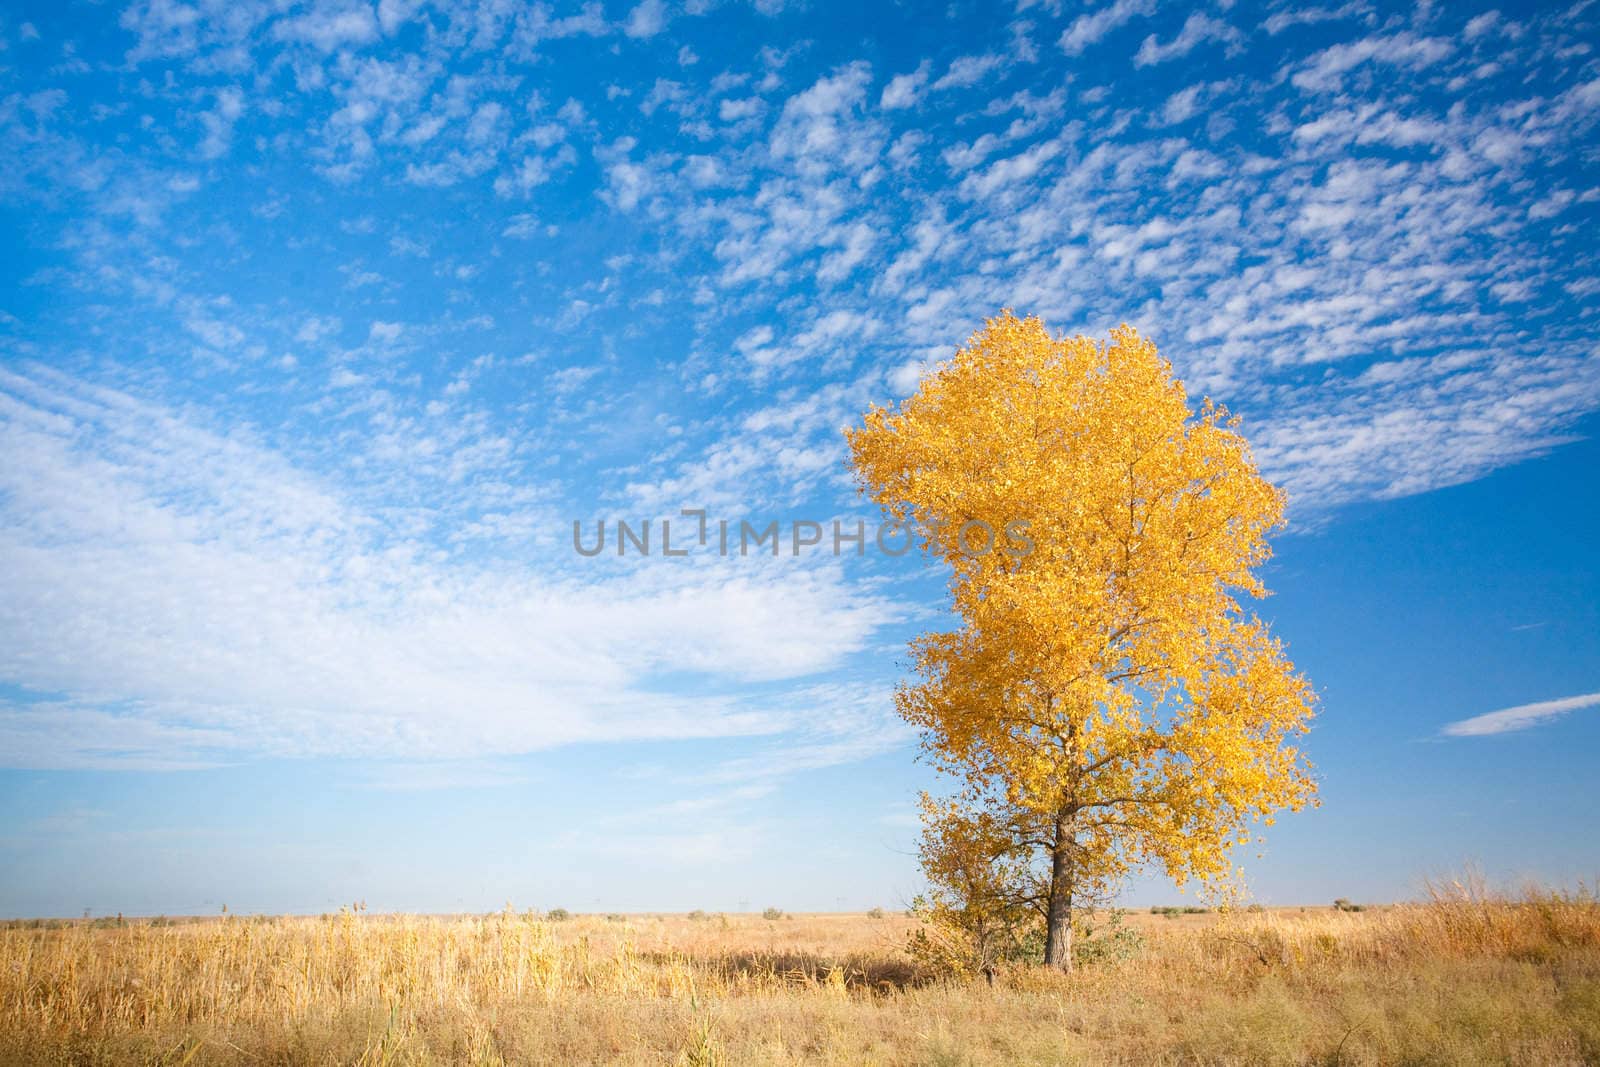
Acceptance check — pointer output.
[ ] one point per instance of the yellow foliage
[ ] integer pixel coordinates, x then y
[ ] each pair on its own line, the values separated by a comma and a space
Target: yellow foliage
1106, 701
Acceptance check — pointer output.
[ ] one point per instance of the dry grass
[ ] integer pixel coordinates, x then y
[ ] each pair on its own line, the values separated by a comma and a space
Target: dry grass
1462, 979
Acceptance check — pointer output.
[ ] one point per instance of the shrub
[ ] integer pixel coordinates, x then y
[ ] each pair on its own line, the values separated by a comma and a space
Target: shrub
1110, 942
772, 914
972, 938
698, 916
558, 915
874, 913
1344, 905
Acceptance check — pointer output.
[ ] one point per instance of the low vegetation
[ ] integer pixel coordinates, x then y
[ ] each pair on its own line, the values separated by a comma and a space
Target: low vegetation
1462, 978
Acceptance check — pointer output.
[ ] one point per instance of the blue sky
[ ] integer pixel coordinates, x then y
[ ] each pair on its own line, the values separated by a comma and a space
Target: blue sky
321, 323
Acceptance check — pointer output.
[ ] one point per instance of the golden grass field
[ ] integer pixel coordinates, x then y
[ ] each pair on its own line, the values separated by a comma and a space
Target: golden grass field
1458, 980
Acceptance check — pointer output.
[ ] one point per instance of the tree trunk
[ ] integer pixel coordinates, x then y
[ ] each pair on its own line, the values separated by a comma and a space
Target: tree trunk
1058, 922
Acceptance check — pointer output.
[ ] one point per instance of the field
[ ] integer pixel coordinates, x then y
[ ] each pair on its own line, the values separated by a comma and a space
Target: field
1459, 979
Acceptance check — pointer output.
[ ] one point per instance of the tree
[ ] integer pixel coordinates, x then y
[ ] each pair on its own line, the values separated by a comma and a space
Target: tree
1106, 702
976, 913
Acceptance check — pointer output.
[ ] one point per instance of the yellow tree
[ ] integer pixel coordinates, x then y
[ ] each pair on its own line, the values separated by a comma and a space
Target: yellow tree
1106, 701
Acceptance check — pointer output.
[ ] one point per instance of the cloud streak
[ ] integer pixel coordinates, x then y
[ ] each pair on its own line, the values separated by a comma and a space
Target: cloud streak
228, 604
1521, 717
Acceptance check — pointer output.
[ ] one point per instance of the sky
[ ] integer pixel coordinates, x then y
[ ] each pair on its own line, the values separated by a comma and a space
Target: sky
322, 323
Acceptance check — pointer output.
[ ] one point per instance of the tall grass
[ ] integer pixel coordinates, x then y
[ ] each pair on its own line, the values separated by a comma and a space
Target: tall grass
1464, 977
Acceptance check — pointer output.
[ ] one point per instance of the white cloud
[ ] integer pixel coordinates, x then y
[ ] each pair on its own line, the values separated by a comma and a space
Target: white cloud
235, 606
1324, 71
647, 19
1198, 28
735, 110
629, 184
1302, 16
219, 122
534, 171
904, 379
968, 70
394, 14
1093, 27
1520, 717
859, 241
845, 724
1479, 25
813, 121
1182, 106
218, 335
330, 29
903, 89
